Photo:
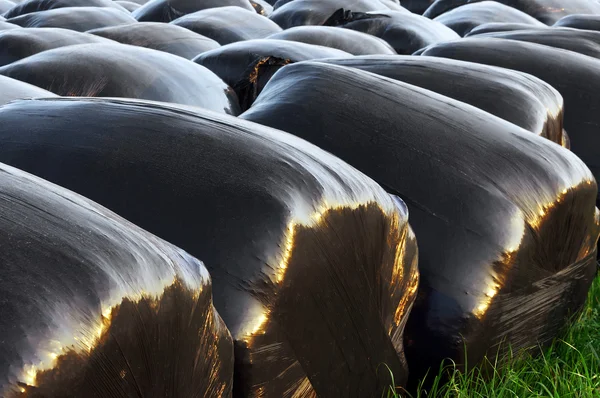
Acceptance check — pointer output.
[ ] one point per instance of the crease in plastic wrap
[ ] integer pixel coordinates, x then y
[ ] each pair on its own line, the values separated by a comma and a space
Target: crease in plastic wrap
575, 76
314, 265
491, 27
546, 11
11, 89
79, 19
248, 65
405, 32
469, 16
228, 25
119, 70
159, 36
93, 306
519, 98
579, 21
503, 217
168, 10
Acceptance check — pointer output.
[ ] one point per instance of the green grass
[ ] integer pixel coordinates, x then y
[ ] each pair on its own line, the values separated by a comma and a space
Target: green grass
569, 368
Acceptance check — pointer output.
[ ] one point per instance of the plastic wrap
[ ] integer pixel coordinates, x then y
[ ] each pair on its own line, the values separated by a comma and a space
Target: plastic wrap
5, 5
579, 21
316, 12
128, 5
465, 18
546, 11
575, 76
16, 44
11, 89
517, 97
29, 6
581, 41
167, 11
313, 264
503, 27
247, 66
159, 36
506, 220
406, 33
417, 6
6, 26
93, 306
78, 19
355, 43
228, 24
118, 70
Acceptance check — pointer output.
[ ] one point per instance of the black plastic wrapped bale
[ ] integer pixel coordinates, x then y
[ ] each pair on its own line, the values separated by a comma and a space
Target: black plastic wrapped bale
579, 21
313, 264
417, 6
581, 41
159, 36
546, 11
228, 24
355, 43
167, 11
575, 76
406, 33
11, 89
502, 27
119, 70
316, 12
16, 44
30, 6
5, 5
93, 306
465, 18
78, 19
128, 5
262, 7
248, 65
506, 220
514, 96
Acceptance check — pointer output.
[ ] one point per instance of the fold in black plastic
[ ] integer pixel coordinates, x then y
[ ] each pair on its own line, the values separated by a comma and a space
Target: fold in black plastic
496, 209
469, 16
490, 27
113, 69
405, 32
16, 44
314, 266
11, 89
546, 11
517, 97
94, 306
79, 19
228, 25
579, 21
575, 76
159, 36
168, 10
248, 65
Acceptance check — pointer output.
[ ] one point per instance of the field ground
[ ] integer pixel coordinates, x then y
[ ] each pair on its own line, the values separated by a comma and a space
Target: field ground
570, 368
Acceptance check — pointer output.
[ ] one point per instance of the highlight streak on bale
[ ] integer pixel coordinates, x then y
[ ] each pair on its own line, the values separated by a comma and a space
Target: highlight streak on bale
93, 306
248, 65
579, 21
406, 33
159, 36
575, 76
313, 264
228, 24
11, 89
503, 216
517, 97
30, 6
465, 18
546, 11
7, 26
503, 27
79, 19
5, 5
16, 44
355, 43
169, 10
317, 12
119, 70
